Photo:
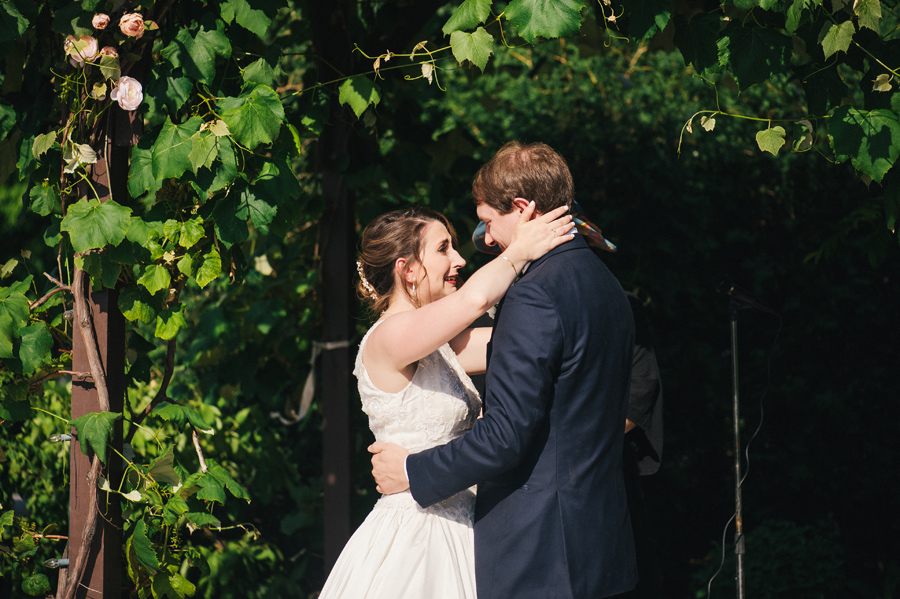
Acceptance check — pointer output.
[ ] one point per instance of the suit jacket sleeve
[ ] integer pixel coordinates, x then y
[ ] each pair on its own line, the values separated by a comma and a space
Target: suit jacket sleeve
524, 360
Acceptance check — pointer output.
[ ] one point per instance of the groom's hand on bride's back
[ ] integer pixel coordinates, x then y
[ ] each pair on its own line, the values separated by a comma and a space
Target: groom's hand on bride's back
389, 467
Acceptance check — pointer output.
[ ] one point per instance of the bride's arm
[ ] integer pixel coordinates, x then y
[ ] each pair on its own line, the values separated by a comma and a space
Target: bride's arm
471, 348
404, 338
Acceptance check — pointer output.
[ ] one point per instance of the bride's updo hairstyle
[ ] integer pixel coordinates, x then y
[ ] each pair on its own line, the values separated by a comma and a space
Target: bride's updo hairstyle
393, 235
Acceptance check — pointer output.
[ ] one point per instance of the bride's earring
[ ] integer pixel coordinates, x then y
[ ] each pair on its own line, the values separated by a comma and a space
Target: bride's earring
414, 288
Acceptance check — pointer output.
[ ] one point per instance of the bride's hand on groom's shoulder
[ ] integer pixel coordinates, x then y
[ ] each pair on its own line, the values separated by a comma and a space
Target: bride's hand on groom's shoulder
389, 467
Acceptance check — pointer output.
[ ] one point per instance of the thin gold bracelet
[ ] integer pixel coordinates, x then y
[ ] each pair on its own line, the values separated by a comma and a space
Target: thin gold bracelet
511, 264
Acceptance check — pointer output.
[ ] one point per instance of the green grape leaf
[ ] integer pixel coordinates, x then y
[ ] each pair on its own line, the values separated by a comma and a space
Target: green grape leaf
196, 56
696, 40
109, 67
186, 265
211, 485
836, 37
179, 415
95, 429
7, 332
260, 72
136, 304
91, 264
169, 322
260, 212
358, 93
171, 150
175, 507
468, 15
16, 306
646, 18
155, 278
231, 214
201, 519
94, 224
167, 585
8, 118
771, 139
36, 585
210, 270
36, 345
545, 18
754, 54
824, 89
222, 475
870, 139
204, 150
192, 231
251, 19
254, 118
43, 199
143, 548
12, 22
869, 13
475, 47
162, 471
42, 143
140, 173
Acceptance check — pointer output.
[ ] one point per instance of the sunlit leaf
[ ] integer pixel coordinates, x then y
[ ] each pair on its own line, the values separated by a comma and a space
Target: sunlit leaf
93, 224
868, 12
468, 15
252, 19
475, 47
36, 585
169, 322
42, 143
836, 37
204, 150
155, 278
770, 140
135, 304
210, 270
882, 83
358, 93
545, 18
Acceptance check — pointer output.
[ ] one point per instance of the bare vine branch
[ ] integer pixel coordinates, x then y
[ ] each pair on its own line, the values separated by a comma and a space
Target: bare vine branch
161, 394
203, 467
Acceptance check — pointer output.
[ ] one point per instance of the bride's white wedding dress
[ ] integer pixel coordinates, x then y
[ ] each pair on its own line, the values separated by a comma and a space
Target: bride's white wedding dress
402, 551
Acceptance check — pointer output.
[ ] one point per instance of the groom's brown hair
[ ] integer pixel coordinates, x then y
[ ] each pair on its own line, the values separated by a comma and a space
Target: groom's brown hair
530, 171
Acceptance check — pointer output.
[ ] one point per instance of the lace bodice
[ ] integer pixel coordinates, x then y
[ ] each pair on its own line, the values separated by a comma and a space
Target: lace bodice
438, 404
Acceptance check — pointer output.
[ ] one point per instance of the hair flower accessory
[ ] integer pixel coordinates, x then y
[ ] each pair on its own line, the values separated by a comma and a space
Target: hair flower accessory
365, 283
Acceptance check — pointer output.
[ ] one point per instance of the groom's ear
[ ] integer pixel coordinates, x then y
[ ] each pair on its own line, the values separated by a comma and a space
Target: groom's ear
519, 204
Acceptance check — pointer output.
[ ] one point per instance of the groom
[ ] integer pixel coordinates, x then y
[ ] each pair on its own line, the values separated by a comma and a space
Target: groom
551, 518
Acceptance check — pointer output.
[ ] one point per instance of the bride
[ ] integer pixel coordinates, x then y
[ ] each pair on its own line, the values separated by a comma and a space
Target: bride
411, 369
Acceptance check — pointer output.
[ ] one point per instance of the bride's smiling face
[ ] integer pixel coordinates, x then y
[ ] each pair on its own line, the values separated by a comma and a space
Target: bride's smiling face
437, 275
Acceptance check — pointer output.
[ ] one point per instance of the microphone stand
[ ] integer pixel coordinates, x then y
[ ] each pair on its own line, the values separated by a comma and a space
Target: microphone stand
733, 307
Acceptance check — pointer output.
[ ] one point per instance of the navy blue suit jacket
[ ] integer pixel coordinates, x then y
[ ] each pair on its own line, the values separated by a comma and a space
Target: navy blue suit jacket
551, 517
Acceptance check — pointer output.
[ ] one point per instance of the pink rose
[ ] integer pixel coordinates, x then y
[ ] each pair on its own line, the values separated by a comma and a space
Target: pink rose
132, 25
100, 21
108, 51
80, 50
128, 93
